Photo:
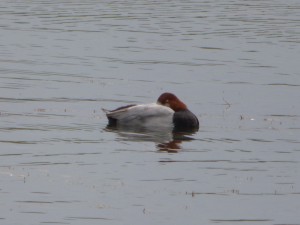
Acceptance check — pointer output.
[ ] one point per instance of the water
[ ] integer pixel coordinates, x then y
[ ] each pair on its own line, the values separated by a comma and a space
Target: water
234, 63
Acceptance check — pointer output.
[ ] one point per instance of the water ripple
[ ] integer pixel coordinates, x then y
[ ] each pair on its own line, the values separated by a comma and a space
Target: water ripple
60, 63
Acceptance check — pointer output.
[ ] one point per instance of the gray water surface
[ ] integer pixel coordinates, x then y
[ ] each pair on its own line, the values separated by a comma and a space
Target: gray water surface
234, 63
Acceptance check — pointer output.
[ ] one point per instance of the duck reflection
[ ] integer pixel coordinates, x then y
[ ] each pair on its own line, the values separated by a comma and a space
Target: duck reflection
165, 139
175, 144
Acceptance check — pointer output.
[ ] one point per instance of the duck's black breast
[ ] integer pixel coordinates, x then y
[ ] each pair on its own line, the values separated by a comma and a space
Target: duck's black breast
185, 120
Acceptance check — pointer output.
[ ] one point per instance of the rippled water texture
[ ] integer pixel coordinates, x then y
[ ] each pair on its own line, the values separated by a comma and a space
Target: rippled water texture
234, 63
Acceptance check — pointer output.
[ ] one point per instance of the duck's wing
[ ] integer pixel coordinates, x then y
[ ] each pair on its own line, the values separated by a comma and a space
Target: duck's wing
118, 112
120, 109
138, 112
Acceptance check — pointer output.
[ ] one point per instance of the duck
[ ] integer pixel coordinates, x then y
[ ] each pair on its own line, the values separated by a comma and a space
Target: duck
167, 111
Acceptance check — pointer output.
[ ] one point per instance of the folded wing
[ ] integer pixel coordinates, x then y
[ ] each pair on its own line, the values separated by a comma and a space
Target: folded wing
145, 114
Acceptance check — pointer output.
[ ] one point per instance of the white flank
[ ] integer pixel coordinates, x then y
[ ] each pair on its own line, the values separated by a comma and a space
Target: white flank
143, 115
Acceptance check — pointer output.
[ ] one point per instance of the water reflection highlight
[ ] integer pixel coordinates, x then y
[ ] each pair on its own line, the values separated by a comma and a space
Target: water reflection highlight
166, 139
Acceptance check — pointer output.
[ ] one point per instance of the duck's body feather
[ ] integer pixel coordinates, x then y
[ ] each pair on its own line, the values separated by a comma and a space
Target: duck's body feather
141, 115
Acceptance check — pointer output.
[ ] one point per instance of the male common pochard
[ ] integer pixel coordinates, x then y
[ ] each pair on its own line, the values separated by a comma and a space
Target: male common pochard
168, 111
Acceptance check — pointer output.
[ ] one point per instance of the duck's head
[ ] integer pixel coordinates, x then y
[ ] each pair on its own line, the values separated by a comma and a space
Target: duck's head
171, 101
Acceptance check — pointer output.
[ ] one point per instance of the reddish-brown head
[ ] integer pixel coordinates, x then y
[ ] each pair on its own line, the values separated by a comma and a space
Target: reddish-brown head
170, 100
